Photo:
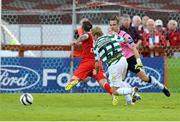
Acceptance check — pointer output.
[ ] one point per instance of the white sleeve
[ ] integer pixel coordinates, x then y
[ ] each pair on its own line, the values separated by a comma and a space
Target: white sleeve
96, 53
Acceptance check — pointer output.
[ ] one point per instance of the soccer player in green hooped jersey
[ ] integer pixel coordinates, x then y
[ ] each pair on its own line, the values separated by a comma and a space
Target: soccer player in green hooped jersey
107, 48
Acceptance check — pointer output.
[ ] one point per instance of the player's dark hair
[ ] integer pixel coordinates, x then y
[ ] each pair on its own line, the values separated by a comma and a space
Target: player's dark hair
115, 18
87, 25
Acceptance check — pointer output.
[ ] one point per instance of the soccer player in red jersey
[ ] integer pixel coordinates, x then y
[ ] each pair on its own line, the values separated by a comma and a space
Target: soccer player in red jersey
78, 32
87, 64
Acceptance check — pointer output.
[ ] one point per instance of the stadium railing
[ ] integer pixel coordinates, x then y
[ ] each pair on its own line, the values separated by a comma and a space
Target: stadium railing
163, 51
22, 48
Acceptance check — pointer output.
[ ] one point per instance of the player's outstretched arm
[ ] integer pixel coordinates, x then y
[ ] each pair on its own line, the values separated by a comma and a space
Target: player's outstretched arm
137, 55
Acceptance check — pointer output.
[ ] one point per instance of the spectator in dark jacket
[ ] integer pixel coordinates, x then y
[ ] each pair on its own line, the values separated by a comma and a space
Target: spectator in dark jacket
127, 27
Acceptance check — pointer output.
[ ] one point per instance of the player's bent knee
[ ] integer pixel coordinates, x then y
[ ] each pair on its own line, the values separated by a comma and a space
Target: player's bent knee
102, 82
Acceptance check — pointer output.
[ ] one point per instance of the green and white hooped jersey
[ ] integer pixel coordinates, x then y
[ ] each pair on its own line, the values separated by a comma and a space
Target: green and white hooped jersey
107, 48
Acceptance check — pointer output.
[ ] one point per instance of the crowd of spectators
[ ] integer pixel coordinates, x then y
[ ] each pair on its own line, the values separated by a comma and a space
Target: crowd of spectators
151, 33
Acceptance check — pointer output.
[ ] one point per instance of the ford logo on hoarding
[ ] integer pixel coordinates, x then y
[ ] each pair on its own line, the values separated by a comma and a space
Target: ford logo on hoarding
136, 81
13, 77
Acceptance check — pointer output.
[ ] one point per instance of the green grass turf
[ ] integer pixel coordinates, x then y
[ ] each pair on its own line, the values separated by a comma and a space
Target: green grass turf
174, 74
89, 107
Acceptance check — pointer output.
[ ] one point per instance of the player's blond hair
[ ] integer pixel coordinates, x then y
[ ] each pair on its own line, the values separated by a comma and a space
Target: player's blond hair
97, 31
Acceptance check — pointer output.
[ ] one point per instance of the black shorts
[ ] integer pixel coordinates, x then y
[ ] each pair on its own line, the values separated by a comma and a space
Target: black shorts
131, 64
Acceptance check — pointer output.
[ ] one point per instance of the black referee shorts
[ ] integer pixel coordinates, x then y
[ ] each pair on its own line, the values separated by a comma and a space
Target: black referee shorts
131, 64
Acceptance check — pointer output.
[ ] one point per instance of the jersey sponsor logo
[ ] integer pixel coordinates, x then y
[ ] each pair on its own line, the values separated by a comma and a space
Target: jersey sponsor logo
15, 78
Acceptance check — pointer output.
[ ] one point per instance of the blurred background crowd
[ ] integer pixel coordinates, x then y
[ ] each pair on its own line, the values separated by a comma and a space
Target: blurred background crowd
151, 33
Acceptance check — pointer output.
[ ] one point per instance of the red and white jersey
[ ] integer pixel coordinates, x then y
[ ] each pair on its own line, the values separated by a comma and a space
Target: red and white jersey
174, 38
154, 39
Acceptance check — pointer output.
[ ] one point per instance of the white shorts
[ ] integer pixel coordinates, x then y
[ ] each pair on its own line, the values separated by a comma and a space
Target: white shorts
117, 72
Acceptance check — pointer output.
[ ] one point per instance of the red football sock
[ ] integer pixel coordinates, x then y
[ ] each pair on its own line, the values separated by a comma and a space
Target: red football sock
73, 80
108, 88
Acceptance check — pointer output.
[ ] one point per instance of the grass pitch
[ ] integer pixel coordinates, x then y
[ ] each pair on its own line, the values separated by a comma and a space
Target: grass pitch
173, 74
89, 107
